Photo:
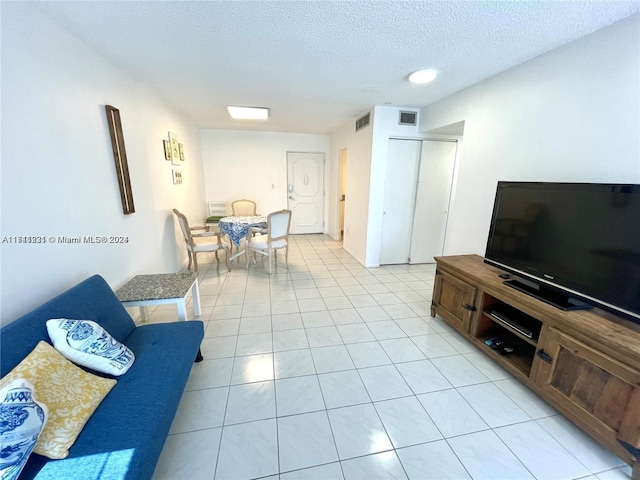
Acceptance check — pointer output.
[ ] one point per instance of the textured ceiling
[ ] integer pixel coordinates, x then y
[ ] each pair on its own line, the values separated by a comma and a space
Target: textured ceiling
319, 64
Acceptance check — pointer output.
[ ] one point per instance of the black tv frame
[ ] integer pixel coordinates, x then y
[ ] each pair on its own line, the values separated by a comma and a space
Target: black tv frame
557, 294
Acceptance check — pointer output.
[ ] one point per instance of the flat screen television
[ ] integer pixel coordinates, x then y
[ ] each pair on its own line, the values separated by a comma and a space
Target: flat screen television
574, 245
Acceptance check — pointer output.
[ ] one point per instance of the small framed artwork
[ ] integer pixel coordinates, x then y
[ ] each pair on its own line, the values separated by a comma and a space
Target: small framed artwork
181, 151
167, 149
175, 151
177, 176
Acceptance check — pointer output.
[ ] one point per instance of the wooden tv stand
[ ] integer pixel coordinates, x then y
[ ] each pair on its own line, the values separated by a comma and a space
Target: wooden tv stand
586, 363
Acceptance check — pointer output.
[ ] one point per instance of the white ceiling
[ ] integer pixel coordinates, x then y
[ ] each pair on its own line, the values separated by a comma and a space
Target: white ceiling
319, 64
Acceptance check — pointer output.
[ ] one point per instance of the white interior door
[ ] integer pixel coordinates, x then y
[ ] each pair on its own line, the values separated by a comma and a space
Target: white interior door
399, 199
433, 194
305, 191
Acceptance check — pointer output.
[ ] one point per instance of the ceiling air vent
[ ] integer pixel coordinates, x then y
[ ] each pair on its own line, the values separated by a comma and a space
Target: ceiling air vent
408, 118
363, 121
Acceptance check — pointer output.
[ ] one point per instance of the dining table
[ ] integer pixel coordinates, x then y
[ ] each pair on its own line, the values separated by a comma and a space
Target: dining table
238, 228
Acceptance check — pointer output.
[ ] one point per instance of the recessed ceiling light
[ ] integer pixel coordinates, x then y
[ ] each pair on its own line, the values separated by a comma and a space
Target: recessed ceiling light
248, 113
423, 76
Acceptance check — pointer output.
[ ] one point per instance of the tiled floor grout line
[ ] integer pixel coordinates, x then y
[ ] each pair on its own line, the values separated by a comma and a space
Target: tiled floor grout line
347, 276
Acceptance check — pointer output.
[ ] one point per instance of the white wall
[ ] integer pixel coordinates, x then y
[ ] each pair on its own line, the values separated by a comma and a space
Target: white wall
367, 153
253, 165
358, 146
572, 115
58, 174
385, 126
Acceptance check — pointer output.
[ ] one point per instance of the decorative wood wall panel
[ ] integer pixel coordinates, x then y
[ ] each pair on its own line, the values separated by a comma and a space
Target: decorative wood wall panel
120, 158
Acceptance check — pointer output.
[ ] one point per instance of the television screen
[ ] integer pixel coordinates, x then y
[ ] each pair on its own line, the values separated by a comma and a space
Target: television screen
583, 239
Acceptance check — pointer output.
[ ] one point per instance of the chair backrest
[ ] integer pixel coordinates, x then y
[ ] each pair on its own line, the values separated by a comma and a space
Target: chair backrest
278, 224
184, 226
243, 207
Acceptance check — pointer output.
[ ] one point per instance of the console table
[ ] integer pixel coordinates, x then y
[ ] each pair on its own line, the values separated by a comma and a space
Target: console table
161, 288
586, 363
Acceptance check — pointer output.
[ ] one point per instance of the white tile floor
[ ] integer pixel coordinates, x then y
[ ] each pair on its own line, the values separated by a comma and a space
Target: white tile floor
330, 370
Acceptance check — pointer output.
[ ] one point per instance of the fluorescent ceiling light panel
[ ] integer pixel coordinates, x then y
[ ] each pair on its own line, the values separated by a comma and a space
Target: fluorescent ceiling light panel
248, 113
423, 76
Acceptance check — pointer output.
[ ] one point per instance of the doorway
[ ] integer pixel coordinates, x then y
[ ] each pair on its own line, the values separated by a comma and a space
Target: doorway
342, 191
305, 191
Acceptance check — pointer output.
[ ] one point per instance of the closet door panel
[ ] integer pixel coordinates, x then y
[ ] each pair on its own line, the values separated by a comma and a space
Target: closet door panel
435, 178
399, 200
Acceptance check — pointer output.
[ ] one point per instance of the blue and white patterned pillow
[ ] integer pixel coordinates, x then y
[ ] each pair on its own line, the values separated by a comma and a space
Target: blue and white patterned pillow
88, 344
22, 419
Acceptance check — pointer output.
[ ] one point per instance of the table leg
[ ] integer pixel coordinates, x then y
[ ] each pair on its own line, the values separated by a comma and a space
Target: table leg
195, 293
238, 253
144, 314
182, 310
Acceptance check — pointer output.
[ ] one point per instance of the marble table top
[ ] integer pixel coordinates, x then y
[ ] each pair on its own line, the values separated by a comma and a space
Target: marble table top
157, 286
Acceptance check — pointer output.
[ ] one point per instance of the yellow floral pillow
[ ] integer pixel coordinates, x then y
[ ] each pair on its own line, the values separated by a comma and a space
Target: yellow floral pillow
70, 394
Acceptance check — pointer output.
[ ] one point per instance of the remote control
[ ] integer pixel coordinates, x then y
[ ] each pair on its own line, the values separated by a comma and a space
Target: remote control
506, 350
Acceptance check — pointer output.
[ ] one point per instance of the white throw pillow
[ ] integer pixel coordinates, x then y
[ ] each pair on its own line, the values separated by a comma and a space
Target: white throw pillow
88, 344
22, 419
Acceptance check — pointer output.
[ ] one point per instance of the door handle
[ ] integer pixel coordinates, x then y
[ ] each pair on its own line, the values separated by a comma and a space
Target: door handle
291, 198
544, 356
471, 308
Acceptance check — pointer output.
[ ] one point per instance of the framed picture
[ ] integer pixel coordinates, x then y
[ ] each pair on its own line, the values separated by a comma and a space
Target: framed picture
175, 151
177, 176
167, 149
120, 159
181, 151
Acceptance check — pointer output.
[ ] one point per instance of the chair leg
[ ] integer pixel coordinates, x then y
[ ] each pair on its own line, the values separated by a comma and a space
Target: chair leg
195, 262
286, 256
248, 255
217, 259
226, 257
270, 255
189, 255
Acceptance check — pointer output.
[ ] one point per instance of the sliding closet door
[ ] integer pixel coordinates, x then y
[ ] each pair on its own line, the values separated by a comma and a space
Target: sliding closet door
399, 199
435, 179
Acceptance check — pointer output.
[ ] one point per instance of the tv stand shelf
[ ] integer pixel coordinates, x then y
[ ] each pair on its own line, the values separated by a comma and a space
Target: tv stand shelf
586, 363
510, 328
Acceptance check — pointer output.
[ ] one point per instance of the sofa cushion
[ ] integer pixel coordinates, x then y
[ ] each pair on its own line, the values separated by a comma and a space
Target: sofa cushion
70, 394
124, 437
88, 344
91, 299
22, 418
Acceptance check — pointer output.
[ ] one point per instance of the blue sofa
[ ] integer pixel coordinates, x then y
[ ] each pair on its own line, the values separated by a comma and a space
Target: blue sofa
124, 437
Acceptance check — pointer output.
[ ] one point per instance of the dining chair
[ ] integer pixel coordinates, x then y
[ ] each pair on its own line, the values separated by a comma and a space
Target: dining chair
201, 242
217, 210
243, 208
277, 237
